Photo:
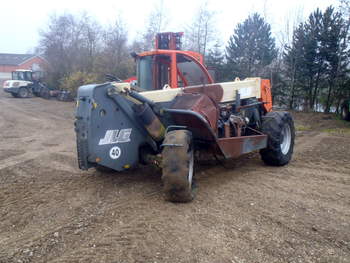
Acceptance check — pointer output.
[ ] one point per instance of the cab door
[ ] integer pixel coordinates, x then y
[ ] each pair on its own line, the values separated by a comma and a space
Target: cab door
190, 72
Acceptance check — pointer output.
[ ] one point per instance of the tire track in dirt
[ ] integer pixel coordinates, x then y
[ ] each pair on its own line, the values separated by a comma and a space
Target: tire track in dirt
32, 112
308, 140
18, 159
37, 145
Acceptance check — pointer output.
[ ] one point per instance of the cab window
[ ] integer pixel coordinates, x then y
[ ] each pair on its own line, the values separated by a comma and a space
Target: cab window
144, 73
28, 75
190, 72
153, 72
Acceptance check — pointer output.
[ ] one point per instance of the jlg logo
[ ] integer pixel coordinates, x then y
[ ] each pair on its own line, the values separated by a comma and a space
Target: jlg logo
116, 136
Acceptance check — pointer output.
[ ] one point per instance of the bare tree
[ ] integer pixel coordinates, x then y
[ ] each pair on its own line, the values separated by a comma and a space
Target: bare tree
114, 57
345, 6
91, 45
69, 43
156, 22
57, 42
291, 21
201, 32
265, 8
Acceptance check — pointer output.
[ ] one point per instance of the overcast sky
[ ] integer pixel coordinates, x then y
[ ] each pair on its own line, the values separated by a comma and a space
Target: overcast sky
21, 20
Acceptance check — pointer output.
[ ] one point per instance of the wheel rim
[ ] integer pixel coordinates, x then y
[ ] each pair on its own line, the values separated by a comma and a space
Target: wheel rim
190, 168
286, 139
23, 92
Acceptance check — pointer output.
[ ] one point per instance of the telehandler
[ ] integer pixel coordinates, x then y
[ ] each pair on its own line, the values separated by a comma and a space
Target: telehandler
175, 110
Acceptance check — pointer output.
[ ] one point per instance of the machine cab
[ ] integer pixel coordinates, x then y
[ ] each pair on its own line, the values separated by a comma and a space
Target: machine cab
26, 75
170, 67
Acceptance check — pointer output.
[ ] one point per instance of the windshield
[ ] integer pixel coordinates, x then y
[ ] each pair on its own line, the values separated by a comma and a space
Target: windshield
154, 72
22, 75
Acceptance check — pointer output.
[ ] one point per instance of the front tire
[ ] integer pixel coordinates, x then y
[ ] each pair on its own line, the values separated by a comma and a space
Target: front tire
23, 93
178, 166
279, 127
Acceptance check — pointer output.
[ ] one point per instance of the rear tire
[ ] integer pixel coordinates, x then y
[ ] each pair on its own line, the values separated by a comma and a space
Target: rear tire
178, 166
345, 111
23, 93
45, 93
279, 127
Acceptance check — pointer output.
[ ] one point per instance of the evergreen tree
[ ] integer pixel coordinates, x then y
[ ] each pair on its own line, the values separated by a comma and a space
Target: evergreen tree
215, 60
304, 62
333, 47
251, 48
316, 62
312, 61
293, 61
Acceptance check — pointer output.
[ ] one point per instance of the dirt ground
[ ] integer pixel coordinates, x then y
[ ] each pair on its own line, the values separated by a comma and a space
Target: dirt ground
50, 211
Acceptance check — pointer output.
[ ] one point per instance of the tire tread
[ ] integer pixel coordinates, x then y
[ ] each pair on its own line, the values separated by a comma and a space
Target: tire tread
175, 165
272, 125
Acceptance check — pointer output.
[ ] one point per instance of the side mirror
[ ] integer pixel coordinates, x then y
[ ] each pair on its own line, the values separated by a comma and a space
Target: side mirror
134, 55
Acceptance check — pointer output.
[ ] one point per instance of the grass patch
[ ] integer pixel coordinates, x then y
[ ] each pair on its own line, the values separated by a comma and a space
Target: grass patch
302, 128
337, 130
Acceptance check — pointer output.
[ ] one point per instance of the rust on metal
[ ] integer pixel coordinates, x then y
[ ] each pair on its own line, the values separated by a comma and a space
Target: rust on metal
201, 104
249, 106
237, 123
213, 91
236, 146
227, 129
194, 122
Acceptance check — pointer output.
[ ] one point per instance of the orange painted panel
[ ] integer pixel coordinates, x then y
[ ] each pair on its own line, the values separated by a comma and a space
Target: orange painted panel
266, 94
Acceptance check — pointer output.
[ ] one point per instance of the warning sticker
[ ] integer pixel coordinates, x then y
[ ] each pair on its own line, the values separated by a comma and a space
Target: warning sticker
115, 152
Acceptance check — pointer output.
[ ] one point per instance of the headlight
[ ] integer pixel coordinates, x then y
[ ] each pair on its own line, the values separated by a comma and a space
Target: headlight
6, 84
15, 84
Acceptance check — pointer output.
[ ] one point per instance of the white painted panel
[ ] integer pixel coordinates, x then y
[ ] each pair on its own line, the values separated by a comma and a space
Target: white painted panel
247, 88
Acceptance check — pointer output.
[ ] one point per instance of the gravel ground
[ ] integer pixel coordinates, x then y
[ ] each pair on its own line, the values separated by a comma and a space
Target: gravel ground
247, 212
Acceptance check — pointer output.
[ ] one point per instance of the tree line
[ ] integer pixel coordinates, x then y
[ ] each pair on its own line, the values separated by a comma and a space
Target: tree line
310, 72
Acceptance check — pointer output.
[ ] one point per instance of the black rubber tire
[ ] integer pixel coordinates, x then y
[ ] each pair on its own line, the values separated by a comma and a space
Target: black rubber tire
23, 93
14, 95
178, 166
45, 93
273, 125
345, 111
104, 169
